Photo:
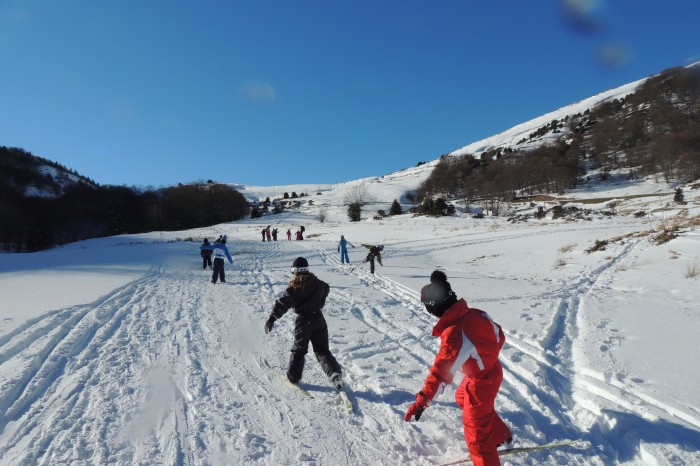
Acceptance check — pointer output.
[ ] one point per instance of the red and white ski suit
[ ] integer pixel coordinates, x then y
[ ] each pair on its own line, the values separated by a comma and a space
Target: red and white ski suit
470, 341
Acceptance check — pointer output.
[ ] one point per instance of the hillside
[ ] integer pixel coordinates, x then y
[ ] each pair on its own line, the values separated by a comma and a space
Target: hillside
605, 137
126, 354
25, 174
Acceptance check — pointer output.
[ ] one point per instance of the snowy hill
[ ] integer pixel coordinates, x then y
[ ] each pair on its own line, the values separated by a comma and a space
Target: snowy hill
511, 138
120, 351
395, 185
33, 176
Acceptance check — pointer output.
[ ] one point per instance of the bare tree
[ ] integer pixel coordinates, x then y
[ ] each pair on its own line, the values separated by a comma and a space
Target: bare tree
358, 194
322, 214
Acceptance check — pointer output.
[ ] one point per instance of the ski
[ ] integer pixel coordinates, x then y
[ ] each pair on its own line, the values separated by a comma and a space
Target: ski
286, 380
515, 451
344, 400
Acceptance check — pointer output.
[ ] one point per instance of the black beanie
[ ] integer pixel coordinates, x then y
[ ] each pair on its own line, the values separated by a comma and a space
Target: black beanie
300, 265
438, 295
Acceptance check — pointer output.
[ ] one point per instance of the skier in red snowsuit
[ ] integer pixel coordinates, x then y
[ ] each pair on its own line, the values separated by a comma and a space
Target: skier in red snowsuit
469, 341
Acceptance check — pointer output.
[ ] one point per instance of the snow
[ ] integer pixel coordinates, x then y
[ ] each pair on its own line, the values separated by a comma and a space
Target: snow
120, 351
512, 136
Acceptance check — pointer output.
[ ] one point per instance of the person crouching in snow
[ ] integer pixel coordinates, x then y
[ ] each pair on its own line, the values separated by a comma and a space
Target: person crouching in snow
220, 251
469, 342
307, 295
343, 249
374, 252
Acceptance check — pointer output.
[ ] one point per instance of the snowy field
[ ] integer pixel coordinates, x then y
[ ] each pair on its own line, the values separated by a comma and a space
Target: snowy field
120, 351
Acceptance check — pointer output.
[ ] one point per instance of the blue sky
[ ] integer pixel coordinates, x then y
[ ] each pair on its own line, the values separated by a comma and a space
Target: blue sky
276, 92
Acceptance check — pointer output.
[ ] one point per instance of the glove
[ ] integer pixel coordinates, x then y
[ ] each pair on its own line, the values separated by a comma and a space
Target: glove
268, 325
417, 408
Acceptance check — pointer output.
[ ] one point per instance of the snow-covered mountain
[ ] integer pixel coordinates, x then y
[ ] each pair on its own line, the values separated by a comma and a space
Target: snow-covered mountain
511, 138
32, 176
395, 185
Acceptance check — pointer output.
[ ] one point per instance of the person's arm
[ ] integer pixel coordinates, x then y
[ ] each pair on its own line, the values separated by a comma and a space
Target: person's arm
326, 289
282, 305
440, 373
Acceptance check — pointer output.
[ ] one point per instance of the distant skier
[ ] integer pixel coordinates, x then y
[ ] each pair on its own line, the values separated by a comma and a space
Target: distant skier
469, 342
343, 249
375, 252
220, 251
289, 234
264, 231
307, 295
274, 234
301, 232
268, 235
206, 254
298, 235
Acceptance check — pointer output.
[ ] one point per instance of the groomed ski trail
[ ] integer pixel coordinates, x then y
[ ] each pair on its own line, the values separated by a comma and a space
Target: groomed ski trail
166, 369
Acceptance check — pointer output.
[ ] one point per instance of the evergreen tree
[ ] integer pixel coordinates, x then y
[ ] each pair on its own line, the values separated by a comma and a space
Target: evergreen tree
678, 196
395, 208
355, 212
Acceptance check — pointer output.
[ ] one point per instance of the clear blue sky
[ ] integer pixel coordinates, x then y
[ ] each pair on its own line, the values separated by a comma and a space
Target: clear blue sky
155, 92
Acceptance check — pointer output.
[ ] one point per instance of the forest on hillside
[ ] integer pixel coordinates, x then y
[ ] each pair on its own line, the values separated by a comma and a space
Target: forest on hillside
653, 131
64, 207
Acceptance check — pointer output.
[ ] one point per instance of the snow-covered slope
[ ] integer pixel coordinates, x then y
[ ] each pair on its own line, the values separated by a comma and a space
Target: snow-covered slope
120, 351
384, 189
512, 136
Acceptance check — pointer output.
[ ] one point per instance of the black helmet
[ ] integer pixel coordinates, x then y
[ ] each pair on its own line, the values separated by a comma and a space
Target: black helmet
300, 265
438, 295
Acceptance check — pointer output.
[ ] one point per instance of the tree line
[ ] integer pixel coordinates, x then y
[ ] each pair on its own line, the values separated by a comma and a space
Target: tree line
84, 210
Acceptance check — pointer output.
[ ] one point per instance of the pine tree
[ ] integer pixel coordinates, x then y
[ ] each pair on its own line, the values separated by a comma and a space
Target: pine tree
355, 212
395, 208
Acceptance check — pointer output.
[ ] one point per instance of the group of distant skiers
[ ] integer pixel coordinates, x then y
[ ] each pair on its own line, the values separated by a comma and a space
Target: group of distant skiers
271, 234
470, 342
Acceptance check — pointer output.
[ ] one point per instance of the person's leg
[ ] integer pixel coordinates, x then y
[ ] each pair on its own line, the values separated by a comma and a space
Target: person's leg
302, 335
483, 428
319, 341
215, 272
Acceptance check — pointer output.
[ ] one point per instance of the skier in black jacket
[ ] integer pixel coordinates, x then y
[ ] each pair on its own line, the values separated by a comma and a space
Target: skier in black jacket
206, 254
307, 295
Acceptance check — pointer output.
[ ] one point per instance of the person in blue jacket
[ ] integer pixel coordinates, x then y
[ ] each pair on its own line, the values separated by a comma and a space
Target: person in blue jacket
219, 252
343, 249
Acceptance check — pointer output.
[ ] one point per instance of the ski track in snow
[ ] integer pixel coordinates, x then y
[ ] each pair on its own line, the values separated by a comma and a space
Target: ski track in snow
165, 370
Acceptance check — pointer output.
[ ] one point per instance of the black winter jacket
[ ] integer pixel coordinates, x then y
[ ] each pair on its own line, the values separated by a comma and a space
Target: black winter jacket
305, 301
